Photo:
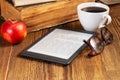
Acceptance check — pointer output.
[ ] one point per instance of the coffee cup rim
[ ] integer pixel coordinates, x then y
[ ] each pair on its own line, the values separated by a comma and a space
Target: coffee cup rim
91, 4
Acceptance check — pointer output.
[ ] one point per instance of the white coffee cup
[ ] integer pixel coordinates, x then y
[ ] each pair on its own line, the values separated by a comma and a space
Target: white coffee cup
93, 20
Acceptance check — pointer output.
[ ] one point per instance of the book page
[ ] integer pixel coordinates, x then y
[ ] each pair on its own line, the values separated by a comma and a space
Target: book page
60, 43
28, 2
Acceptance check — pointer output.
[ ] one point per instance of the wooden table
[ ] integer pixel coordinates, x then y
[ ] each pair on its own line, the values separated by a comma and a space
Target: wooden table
105, 66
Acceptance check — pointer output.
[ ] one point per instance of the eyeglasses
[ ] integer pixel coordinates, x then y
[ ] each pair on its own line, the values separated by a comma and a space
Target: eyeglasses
97, 44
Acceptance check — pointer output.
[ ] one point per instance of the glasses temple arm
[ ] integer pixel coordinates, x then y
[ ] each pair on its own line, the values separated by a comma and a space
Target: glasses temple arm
86, 42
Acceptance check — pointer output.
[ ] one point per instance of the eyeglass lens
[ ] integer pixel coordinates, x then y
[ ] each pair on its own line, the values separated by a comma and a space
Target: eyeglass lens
106, 36
95, 45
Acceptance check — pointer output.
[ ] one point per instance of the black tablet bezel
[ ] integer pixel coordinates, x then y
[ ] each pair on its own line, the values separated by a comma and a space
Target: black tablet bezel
48, 58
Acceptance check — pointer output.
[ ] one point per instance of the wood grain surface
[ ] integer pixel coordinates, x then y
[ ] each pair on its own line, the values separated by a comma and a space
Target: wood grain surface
105, 66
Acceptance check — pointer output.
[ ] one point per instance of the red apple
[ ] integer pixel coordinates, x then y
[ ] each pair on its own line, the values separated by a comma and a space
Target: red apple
13, 31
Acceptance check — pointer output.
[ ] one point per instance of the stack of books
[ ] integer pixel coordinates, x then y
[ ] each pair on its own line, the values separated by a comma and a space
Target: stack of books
28, 2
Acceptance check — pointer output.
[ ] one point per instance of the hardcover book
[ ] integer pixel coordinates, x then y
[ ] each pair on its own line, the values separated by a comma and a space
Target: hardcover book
109, 2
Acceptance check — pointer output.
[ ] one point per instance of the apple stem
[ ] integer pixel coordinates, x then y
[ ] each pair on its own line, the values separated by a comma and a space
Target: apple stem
14, 21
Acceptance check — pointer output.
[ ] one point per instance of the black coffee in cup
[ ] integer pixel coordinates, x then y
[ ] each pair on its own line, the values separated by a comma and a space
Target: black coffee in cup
94, 9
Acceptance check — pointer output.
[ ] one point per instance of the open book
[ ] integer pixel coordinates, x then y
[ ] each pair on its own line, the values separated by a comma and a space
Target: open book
59, 46
28, 2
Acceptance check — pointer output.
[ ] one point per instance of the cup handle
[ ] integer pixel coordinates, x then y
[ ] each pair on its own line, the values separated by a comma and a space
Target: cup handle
106, 20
